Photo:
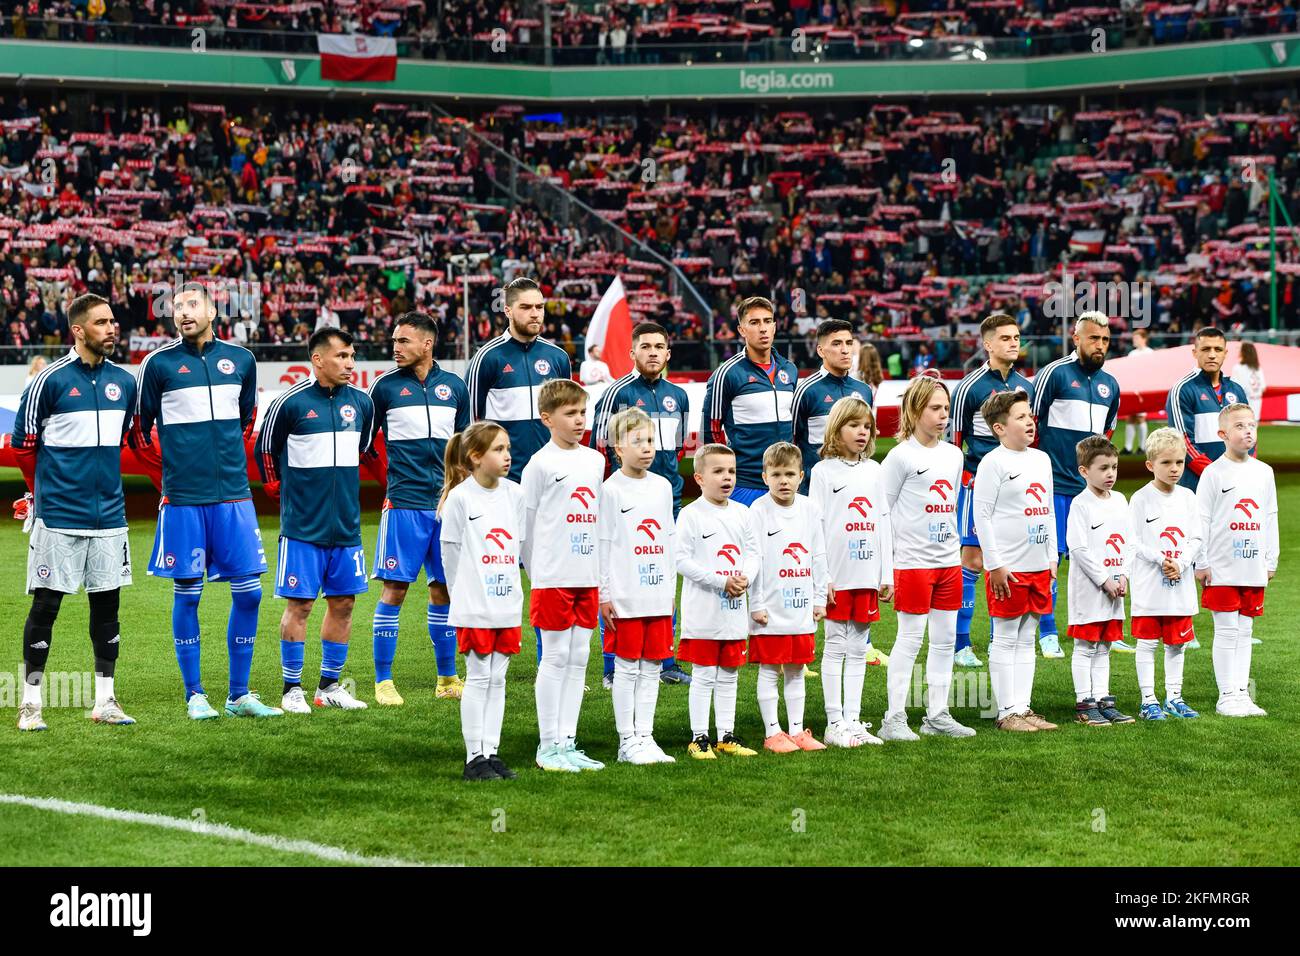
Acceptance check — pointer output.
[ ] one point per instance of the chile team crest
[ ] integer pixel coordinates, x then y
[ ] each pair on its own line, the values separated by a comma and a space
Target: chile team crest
1230, 398
670, 403
1103, 390
783, 376
112, 391
443, 391
226, 367
348, 414
542, 366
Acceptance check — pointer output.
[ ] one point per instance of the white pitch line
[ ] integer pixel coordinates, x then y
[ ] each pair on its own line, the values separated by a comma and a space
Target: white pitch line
330, 854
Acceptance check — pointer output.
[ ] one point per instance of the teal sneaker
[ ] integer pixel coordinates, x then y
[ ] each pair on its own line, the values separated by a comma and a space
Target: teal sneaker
1193, 645
199, 708
1152, 711
550, 758
1175, 707
1119, 647
966, 658
1051, 646
250, 705
578, 759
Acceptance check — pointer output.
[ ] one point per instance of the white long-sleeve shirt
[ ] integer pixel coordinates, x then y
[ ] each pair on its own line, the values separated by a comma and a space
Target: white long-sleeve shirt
1099, 534
562, 503
792, 573
1013, 510
482, 535
713, 543
920, 487
638, 564
850, 497
1237, 503
1164, 526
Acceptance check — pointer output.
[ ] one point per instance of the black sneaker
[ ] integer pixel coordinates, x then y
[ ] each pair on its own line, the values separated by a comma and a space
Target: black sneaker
480, 769
502, 771
1108, 710
674, 675
1087, 712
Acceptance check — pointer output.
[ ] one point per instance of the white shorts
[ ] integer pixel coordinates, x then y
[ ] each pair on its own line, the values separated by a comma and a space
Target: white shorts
67, 561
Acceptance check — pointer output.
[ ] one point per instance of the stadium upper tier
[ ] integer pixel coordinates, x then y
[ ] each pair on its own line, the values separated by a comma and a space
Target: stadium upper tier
622, 32
911, 221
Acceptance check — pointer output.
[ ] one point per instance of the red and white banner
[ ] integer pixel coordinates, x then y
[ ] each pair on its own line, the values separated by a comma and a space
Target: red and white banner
611, 329
354, 58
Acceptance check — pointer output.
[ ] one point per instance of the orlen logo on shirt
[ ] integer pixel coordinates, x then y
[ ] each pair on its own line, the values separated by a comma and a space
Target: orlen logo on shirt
499, 537
648, 527
1036, 491
1115, 541
584, 496
1174, 535
941, 487
730, 553
794, 550
860, 505
1248, 507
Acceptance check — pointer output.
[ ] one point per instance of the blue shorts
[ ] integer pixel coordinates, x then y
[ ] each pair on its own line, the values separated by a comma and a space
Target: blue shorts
1061, 506
221, 539
966, 516
747, 496
306, 570
408, 539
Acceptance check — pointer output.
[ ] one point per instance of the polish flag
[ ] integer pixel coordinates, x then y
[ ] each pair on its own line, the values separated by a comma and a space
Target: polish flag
611, 329
354, 58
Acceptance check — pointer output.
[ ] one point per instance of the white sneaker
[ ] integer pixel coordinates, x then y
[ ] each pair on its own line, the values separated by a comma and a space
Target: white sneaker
840, 735
634, 752
894, 727
295, 702
1251, 708
1230, 705
29, 717
337, 696
650, 746
862, 733
110, 712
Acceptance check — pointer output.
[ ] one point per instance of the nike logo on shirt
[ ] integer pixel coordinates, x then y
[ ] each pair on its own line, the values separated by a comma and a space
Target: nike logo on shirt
1012, 477
836, 491
561, 478
1226, 490
709, 535
624, 511
474, 517
922, 471
1096, 526
1156, 518
770, 533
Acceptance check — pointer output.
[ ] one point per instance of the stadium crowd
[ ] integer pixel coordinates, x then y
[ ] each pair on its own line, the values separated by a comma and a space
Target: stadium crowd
626, 31
910, 224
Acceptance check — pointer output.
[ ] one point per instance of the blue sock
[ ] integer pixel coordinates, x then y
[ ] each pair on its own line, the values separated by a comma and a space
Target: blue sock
1047, 624
444, 639
385, 639
670, 662
334, 654
291, 654
241, 631
185, 633
539, 645
609, 658
969, 579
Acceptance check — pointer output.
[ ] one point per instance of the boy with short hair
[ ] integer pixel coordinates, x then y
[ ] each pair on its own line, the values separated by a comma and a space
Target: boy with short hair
1237, 501
1167, 540
1017, 532
787, 597
717, 556
561, 487
1100, 541
638, 582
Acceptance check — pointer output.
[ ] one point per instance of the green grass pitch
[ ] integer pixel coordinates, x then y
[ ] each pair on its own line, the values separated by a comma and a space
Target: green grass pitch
386, 782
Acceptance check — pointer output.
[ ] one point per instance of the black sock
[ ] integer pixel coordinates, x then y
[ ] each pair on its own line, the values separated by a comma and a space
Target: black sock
326, 682
290, 686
